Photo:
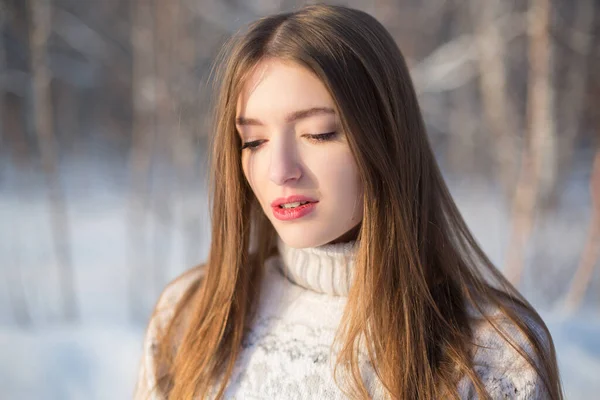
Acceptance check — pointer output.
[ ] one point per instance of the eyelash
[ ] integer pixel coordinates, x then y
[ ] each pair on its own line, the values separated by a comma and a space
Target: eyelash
323, 137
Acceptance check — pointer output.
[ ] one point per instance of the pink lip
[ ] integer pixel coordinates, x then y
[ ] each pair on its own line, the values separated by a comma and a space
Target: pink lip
286, 214
291, 199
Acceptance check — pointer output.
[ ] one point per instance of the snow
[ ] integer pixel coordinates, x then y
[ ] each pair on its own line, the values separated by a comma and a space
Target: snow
69, 362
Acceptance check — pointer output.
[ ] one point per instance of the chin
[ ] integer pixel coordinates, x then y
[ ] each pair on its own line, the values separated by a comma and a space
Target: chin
300, 240
298, 243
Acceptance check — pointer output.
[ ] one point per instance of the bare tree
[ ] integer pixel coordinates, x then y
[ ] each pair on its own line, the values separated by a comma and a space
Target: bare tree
142, 148
498, 109
538, 157
166, 58
3, 68
13, 275
462, 122
39, 12
581, 40
591, 250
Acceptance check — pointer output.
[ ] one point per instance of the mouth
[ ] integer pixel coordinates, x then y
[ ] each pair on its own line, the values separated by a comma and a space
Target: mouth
293, 201
290, 211
288, 206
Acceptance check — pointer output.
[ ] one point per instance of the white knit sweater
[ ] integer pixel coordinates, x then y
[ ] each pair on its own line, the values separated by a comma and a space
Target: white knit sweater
287, 353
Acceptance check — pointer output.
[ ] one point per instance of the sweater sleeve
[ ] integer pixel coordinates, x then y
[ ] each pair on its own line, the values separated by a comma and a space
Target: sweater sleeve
164, 310
505, 373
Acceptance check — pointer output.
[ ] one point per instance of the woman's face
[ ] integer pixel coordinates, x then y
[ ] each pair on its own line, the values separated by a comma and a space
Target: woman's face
281, 110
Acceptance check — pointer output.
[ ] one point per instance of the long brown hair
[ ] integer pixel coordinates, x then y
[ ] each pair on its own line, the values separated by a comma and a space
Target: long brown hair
418, 268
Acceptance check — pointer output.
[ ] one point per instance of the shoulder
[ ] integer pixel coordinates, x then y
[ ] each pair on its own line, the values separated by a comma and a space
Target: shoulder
176, 289
167, 302
499, 353
163, 312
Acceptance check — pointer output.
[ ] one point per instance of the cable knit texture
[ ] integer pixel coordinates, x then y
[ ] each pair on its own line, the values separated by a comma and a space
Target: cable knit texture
288, 353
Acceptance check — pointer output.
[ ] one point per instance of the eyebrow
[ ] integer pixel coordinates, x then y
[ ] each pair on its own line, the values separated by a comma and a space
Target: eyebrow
296, 115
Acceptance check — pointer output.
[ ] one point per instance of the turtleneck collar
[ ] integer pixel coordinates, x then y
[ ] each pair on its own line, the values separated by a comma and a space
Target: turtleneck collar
327, 269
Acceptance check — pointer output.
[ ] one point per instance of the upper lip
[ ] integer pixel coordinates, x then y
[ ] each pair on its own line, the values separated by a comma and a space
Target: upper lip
291, 199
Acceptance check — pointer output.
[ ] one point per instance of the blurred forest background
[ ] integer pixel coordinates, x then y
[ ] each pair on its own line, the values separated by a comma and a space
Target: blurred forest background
104, 126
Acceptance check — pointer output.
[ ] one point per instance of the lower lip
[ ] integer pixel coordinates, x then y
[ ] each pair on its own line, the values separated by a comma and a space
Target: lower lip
286, 214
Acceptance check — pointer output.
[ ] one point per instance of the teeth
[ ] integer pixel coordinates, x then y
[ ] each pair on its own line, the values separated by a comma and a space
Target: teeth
293, 205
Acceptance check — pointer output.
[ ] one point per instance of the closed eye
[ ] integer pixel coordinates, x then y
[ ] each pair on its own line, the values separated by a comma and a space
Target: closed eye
322, 137
251, 145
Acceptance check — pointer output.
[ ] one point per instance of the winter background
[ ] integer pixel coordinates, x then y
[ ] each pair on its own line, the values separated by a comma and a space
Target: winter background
105, 123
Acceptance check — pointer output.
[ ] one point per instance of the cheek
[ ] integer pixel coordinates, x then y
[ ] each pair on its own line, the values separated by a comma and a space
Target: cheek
248, 173
340, 174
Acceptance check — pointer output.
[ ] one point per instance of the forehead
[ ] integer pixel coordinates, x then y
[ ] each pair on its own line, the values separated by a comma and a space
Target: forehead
276, 88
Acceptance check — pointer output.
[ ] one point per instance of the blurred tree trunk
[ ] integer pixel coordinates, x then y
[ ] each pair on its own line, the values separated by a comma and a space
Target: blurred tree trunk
39, 12
591, 250
166, 59
539, 156
3, 70
184, 144
499, 114
573, 100
12, 110
142, 149
9, 124
463, 122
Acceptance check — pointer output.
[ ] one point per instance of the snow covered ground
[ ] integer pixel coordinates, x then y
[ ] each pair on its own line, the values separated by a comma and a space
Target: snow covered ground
69, 362
97, 357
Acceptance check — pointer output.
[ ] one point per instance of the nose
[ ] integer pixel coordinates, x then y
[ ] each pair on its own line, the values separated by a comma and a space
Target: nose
284, 165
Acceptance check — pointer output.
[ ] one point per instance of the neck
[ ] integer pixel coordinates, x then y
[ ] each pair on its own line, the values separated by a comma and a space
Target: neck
326, 269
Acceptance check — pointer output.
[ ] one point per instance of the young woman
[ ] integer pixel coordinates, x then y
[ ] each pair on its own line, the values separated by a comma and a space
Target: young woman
339, 265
